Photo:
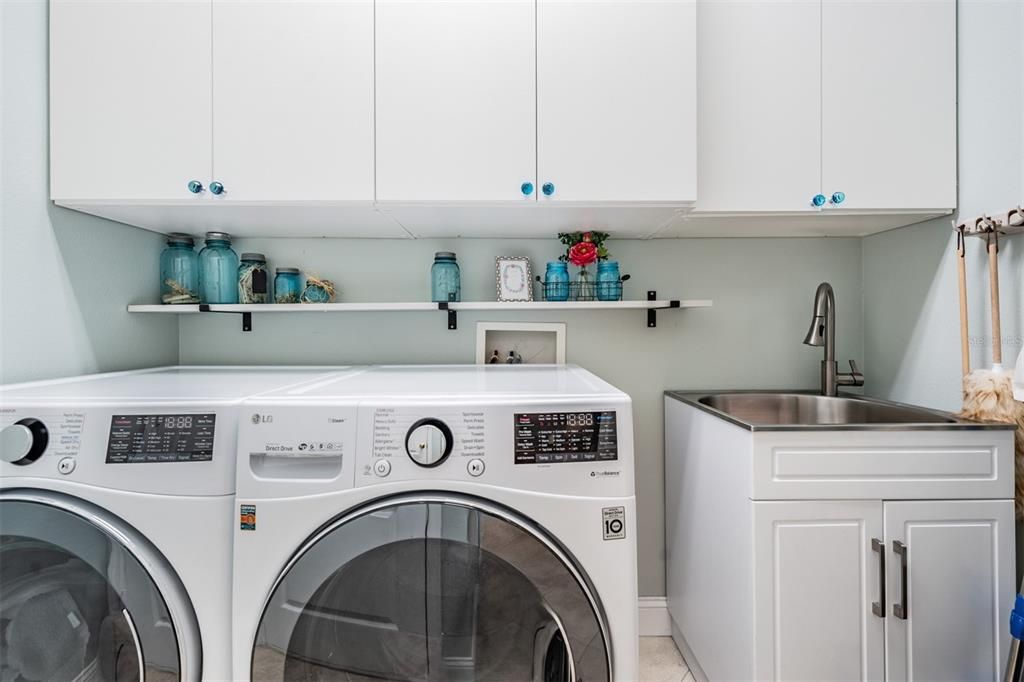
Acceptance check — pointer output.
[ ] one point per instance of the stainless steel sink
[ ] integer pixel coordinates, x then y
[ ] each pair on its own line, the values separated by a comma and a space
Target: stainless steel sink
793, 410
796, 408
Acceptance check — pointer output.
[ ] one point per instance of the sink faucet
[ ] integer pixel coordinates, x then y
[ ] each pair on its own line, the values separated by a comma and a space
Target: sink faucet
823, 333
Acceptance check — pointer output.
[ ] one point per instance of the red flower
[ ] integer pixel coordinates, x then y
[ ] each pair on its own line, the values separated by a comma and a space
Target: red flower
583, 254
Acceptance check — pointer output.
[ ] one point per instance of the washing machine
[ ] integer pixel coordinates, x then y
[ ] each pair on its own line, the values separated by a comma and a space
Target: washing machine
437, 523
116, 503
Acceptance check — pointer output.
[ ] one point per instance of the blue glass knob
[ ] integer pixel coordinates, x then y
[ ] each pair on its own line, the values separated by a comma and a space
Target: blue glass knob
216, 188
548, 189
838, 197
817, 201
195, 187
527, 188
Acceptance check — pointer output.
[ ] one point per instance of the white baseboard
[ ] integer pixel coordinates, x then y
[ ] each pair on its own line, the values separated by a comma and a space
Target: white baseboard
654, 620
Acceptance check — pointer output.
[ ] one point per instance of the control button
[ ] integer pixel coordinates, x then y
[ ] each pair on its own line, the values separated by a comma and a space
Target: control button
475, 467
24, 442
429, 442
382, 467
66, 465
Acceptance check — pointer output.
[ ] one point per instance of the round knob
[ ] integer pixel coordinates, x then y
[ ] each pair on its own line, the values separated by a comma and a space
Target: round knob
195, 187
23, 442
548, 189
527, 188
429, 442
818, 200
216, 188
838, 198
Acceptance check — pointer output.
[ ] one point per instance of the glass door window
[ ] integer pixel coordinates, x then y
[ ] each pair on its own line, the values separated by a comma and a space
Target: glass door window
431, 589
76, 604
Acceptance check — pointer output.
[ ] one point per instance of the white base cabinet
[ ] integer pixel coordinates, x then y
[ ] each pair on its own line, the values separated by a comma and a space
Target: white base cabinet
857, 555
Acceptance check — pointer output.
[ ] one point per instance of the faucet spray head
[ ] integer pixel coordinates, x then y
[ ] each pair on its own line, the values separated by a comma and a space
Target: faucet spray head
816, 334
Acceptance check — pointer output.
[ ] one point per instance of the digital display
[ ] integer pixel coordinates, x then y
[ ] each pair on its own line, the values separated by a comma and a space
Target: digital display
556, 437
154, 438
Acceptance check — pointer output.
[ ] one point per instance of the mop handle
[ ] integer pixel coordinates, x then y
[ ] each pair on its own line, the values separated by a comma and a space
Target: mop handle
993, 280
965, 348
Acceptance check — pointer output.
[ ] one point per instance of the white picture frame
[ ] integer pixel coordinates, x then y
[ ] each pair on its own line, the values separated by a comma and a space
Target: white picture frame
513, 278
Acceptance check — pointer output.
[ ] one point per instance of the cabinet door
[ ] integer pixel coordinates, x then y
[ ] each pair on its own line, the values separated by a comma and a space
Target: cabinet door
958, 568
889, 103
129, 99
815, 578
759, 96
293, 99
456, 100
616, 100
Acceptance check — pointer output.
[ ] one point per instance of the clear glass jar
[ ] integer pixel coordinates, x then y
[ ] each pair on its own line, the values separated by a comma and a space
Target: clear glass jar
556, 281
287, 285
179, 270
609, 281
445, 284
218, 270
253, 280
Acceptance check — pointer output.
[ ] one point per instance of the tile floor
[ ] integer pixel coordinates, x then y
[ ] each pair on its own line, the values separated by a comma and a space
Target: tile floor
660, 661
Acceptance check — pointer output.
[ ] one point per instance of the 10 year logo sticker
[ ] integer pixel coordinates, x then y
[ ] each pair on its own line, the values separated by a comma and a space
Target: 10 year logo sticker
614, 523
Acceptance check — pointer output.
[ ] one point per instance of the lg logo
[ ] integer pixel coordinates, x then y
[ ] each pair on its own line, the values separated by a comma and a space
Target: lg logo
262, 418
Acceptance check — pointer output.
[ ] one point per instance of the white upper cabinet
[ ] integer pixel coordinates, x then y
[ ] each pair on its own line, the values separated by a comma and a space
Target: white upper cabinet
889, 103
129, 99
456, 100
293, 100
848, 104
759, 94
616, 107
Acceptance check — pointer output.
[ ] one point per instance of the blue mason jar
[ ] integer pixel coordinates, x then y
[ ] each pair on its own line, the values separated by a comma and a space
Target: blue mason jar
253, 280
444, 278
179, 270
287, 285
609, 281
556, 281
218, 270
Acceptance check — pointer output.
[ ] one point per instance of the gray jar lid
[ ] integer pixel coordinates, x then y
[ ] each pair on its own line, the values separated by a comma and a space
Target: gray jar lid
258, 257
287, 271
180, 238
444, 254
220, 236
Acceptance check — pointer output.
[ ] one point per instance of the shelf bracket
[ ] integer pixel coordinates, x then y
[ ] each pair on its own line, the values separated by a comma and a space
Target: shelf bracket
246, 316
453, 315
652, 314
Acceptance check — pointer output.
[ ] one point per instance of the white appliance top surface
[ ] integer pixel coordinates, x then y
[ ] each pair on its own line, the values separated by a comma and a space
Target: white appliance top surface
452, 382
187, 383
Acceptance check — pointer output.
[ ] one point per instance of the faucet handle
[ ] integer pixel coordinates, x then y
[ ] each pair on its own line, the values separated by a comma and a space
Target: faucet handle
855, 374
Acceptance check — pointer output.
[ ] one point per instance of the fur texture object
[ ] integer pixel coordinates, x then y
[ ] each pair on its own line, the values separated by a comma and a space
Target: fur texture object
988, 396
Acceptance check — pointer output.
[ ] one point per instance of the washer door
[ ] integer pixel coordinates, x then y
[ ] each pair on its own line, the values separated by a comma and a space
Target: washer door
432, 587
83, 596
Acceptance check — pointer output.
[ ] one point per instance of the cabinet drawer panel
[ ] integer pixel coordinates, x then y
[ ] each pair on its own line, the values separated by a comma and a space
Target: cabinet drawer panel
911, 465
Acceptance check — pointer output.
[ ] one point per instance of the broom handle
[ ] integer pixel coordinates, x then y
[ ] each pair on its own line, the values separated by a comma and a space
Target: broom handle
965, 349
993, 284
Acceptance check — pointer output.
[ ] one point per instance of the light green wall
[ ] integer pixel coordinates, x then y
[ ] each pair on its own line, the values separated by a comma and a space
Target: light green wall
762, 292
64, 276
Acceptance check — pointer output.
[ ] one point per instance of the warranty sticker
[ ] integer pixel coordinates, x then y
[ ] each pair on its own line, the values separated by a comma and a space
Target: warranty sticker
247, 516
614, 523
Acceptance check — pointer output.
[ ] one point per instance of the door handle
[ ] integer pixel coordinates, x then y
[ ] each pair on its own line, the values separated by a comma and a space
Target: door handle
901, 609
878, 607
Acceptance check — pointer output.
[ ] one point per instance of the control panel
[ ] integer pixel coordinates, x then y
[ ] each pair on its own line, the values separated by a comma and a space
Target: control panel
558, 437
156, 438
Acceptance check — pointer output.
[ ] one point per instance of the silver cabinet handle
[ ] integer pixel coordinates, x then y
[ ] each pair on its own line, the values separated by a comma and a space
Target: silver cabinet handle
900, 609
878, 607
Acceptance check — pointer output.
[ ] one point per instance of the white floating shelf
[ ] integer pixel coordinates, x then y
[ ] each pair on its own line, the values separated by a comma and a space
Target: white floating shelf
246, 310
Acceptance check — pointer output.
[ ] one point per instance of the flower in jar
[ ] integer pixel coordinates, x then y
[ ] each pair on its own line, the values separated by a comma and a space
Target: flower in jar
583, 254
